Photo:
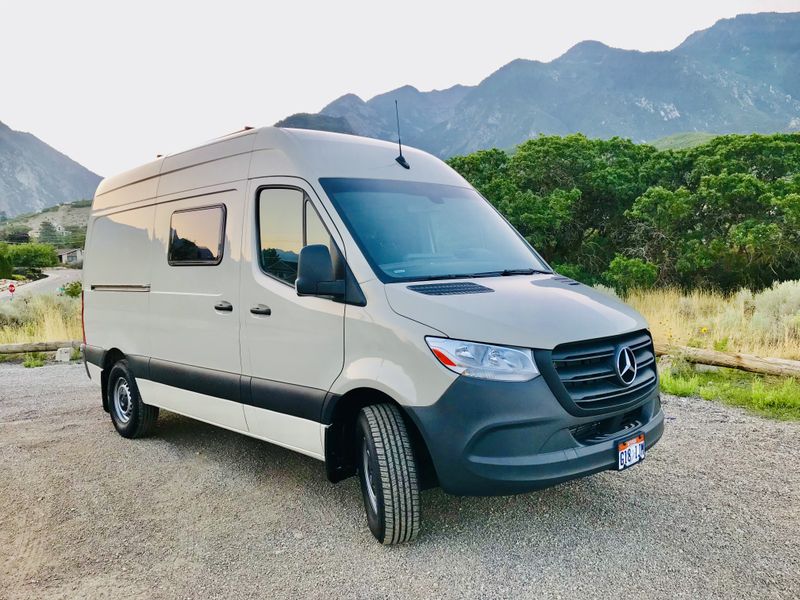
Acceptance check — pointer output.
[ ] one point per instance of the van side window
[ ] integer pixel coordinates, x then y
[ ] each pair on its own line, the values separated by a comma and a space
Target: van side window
316, 233
315, 230
280, 226
197, 236
287, 221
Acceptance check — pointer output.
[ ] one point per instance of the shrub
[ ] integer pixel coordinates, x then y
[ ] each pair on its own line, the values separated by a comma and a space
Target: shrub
631, 273
776, 312
5, 267
31, 255
606, 290
574, 272
73, 289
33, 360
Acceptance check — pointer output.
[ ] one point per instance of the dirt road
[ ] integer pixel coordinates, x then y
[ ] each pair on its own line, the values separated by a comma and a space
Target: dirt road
198, 512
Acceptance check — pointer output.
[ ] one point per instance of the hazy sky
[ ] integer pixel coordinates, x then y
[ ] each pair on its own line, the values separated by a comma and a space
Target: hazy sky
112, 83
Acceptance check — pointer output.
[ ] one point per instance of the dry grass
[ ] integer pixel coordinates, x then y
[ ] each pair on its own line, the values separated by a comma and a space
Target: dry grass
40, 319
764, 324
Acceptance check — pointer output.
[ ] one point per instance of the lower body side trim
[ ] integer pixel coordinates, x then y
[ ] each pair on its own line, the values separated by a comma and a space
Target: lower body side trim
285, 398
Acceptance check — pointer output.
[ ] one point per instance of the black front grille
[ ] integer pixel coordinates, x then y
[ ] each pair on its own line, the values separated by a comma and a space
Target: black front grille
588, 374
596, 432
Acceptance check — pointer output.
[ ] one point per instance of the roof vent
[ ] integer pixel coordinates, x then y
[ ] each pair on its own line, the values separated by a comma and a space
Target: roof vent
450, 289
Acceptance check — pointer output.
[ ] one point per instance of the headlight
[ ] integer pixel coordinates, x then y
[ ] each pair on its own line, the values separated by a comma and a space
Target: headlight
484, 361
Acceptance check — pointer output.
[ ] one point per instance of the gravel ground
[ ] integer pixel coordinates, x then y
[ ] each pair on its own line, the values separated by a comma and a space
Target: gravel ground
199, 512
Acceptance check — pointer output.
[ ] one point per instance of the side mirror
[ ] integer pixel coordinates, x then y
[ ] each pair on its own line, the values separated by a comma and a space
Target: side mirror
315, 273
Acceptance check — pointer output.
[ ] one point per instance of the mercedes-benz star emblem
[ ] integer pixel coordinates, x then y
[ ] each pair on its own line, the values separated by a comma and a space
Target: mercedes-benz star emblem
625, 363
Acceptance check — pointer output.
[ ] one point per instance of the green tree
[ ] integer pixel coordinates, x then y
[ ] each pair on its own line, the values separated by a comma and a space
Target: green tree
75, 236
723, 214
5, 263
16, 233
49, 235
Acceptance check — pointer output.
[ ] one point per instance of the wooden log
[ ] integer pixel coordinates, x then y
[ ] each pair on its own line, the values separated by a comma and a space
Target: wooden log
781, 367
37, 347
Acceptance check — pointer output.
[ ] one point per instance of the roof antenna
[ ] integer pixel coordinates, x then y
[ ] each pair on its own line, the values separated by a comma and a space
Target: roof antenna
400, 159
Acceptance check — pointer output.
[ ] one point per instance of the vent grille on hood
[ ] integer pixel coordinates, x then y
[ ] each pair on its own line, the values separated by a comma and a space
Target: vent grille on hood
450, 289
566, 280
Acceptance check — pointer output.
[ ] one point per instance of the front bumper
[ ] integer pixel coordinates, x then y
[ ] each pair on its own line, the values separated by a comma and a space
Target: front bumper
491, 438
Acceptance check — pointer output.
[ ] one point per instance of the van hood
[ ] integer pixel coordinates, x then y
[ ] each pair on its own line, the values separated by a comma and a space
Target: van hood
538, 311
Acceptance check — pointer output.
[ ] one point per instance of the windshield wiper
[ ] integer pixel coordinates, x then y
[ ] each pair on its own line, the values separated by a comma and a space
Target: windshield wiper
503, 273
509, 272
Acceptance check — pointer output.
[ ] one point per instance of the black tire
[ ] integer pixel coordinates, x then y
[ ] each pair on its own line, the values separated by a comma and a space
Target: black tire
386, 458
132, 418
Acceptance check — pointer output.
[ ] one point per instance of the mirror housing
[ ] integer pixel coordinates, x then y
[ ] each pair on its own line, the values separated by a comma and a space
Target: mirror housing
315, 273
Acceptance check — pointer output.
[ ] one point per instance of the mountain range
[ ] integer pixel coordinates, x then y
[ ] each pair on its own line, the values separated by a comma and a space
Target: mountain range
741, 75
34, 175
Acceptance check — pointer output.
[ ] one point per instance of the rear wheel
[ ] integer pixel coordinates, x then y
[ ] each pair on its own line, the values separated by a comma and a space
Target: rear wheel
132, 418
388, 474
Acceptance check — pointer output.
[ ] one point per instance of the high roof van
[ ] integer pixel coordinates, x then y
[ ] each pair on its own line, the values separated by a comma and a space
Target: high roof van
374, 312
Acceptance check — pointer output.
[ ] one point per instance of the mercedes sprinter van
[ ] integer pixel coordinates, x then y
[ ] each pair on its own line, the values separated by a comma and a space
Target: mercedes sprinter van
313, 291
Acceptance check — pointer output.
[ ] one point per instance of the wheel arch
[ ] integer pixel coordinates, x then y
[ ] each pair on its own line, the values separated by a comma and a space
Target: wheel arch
109, 359
340, 451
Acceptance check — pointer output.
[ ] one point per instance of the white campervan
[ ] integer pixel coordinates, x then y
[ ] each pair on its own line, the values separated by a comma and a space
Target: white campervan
319, 292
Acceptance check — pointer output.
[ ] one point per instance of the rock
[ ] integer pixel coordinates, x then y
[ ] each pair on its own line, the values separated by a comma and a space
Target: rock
63, 354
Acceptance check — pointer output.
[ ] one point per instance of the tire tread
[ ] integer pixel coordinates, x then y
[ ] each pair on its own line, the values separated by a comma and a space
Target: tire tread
398, 473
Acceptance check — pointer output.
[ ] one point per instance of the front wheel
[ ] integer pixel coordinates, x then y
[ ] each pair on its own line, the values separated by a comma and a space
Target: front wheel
388, 474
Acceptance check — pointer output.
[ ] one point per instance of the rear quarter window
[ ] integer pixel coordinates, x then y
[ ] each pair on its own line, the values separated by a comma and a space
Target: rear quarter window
197, 236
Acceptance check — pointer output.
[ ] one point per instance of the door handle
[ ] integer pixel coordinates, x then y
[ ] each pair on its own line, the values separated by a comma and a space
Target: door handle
261, 309
223, 306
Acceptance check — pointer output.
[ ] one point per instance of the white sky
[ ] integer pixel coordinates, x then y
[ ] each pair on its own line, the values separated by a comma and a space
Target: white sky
113, 83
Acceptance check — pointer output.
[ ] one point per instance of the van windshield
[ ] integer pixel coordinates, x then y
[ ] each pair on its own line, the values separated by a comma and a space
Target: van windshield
411, 231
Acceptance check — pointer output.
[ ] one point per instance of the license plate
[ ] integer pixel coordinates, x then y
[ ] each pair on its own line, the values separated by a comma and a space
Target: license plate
630, 452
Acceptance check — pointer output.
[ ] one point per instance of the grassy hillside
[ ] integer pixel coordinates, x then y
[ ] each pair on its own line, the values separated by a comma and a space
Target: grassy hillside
75, 214
681, 141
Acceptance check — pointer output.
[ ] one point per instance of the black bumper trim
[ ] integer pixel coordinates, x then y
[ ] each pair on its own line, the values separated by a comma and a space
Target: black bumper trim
94, 355
493, 438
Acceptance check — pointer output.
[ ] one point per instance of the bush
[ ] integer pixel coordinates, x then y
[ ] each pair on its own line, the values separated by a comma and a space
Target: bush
5, 267
776, 312
606, 290
37, 256
29, 273
574, 272
631, 273
33, 360
73, 289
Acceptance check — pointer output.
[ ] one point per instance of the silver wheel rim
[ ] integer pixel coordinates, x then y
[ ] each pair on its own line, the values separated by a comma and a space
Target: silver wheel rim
369, 476
123, 406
